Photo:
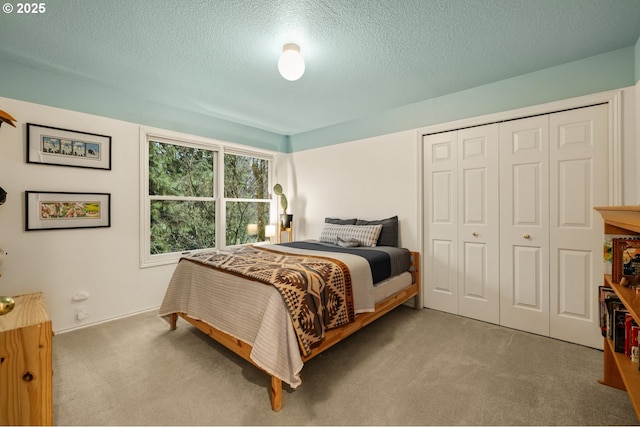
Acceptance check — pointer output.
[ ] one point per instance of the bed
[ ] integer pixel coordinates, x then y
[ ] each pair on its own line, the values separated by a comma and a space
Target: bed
279, 305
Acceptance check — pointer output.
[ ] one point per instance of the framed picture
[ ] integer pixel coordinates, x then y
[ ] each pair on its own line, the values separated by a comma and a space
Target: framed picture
54, 146
626, 260
48, 210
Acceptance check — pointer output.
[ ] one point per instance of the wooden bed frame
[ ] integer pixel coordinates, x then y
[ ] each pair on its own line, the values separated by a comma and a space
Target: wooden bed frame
332, 336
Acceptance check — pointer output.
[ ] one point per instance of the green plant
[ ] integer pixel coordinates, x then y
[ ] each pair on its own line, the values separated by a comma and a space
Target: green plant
277, 189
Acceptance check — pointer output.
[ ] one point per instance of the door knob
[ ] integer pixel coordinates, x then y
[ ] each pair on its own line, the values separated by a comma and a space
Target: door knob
527, 236
474, 234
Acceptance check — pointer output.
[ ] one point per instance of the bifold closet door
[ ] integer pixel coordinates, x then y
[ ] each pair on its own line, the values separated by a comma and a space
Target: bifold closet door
524, 224
440, 186
478, 224
554, 170
462, 229
578, 141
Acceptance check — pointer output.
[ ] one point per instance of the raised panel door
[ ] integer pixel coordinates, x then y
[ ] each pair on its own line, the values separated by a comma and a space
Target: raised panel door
478, 224
441, 227
578, 141
524, 225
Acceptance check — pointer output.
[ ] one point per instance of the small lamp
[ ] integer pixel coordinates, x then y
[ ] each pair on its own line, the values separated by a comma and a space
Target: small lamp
270, 231
291, 63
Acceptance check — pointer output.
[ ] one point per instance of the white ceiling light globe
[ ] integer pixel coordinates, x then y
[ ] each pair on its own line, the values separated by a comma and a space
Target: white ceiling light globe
291, 63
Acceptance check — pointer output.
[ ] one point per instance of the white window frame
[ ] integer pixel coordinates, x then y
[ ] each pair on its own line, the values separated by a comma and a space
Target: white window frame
223, 200
220, 147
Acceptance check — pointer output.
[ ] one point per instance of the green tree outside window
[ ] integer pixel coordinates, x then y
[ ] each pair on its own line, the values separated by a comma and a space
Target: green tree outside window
183, 197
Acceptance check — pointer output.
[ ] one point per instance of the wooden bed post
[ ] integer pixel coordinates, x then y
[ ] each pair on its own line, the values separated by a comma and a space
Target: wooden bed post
417, 300
276, 393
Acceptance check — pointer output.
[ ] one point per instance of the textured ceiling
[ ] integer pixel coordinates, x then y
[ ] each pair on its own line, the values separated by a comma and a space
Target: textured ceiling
219, 58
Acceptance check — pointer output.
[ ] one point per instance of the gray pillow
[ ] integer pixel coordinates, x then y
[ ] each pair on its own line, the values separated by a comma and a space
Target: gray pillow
389, 234
366, 235
348, 243
351, 221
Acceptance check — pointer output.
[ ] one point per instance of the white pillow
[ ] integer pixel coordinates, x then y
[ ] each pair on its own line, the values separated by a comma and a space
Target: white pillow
366, 235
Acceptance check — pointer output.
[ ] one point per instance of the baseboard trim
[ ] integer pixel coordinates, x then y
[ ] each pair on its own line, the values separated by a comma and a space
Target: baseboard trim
111, 319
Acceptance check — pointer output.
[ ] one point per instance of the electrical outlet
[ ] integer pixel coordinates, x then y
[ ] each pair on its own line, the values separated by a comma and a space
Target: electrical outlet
81, 312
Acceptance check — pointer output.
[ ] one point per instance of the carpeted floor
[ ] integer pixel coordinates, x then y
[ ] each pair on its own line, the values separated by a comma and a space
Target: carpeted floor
408, 368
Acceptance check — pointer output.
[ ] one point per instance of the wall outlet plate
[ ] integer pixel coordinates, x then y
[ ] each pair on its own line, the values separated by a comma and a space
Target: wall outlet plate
81, 312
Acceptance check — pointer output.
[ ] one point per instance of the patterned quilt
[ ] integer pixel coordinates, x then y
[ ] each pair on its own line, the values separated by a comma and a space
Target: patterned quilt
316, 290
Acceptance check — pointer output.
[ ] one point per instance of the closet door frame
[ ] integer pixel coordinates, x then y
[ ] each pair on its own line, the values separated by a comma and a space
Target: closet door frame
613, 99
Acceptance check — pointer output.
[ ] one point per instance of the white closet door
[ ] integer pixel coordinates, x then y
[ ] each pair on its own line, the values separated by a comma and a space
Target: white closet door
478, 224
578, 141
524, 225
441, 228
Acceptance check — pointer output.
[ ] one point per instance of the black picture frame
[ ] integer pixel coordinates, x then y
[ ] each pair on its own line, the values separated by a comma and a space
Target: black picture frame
56, 210
50, 145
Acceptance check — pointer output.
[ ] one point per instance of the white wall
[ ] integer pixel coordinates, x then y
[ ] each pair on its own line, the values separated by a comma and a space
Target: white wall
60, 263
101, 261
630, 151
378, 177
372, 178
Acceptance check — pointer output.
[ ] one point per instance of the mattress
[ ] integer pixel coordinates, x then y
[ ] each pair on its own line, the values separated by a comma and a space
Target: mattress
393, 285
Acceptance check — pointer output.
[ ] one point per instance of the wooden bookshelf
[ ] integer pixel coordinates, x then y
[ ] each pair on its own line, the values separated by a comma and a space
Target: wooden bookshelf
619, 371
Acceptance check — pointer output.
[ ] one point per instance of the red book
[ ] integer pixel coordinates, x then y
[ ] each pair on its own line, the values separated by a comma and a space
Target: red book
634, 343
628, 322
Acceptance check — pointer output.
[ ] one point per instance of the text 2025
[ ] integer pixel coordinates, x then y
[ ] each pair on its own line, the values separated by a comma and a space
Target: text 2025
32, 8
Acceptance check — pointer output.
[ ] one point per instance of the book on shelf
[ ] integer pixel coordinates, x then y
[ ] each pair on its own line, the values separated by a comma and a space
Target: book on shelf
625, 259
619, 315
612, 302
605, 294
612, 305
635, 351
629, 322
607, 254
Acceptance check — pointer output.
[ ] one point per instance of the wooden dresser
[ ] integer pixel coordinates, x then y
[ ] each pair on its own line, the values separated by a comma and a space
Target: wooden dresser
26, 383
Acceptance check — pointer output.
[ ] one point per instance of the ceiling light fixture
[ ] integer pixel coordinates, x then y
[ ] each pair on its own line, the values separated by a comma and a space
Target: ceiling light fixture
291, 63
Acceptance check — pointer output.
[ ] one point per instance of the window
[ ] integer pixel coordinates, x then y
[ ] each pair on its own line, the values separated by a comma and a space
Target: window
200, 195
246, 198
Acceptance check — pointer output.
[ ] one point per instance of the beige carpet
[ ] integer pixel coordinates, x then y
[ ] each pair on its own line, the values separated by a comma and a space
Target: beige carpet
408, 368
